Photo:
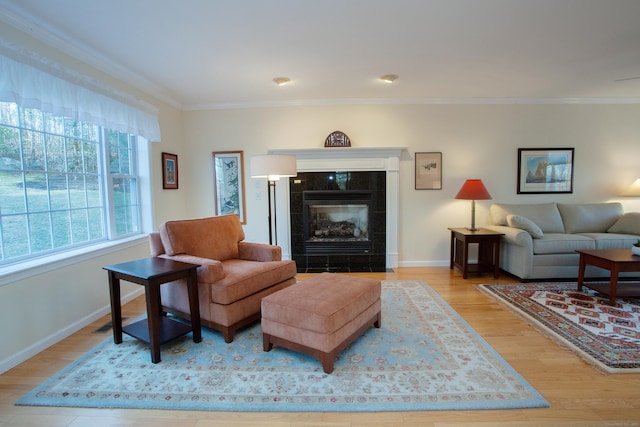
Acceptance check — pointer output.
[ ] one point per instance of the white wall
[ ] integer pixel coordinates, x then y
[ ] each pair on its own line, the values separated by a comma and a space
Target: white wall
477, 141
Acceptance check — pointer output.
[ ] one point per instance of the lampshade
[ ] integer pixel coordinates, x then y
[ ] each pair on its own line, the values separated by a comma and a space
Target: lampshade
473, 189
633, 190
273, 166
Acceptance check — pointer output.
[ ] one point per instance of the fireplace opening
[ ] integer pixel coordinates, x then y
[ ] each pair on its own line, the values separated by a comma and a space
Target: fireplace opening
337, 221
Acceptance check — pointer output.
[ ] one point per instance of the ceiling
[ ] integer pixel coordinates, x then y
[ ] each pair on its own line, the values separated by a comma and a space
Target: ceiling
224, 53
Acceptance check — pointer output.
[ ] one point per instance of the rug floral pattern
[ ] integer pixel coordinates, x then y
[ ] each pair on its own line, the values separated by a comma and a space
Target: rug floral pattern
424, 357
606, 336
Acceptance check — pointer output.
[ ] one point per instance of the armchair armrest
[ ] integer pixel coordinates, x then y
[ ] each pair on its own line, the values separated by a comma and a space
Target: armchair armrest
210, 270
259, 252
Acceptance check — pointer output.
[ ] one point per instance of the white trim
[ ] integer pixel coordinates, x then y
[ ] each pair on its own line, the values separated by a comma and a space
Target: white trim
24, 270
57, 40
423, 264
414, 101
347, 159
39, 346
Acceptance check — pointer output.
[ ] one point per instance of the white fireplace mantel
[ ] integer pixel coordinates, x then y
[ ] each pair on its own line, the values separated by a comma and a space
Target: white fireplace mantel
346, 159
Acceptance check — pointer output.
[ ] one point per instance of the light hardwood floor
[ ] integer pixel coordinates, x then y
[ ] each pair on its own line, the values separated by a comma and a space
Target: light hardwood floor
579, 395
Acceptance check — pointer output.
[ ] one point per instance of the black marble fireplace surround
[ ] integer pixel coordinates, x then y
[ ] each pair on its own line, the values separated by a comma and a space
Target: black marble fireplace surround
366, 251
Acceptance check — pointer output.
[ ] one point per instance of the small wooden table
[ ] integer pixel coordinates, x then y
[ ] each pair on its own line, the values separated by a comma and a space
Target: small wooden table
156, 329
488, 250
614, 260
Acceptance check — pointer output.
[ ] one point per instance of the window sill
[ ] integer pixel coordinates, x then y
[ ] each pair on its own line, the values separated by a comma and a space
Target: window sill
28, 269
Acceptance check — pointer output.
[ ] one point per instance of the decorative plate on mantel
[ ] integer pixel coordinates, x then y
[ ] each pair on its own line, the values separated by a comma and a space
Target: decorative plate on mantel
337, 139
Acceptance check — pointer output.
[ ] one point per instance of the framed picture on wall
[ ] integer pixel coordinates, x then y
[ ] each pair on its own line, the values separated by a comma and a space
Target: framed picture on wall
429, 171
545, 170
228, 183
169, 171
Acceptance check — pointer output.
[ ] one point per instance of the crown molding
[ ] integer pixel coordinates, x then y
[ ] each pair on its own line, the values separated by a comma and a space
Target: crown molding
414, 101
55, 39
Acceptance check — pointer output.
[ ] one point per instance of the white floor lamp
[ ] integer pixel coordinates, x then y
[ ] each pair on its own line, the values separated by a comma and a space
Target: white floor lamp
273, 167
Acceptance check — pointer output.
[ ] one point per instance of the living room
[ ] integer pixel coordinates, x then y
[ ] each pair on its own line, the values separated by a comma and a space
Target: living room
478, 138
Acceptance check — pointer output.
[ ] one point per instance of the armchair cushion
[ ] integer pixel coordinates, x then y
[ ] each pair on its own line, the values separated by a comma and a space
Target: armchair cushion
215, 237
259, 252
243, 278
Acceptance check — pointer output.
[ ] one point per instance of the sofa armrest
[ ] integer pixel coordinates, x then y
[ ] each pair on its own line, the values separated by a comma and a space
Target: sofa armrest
259, 252
210, 270
513, 236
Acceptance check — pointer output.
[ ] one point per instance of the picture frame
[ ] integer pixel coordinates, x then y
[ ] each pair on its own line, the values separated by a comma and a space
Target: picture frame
545, 170
228, 183
428, 173
169, 171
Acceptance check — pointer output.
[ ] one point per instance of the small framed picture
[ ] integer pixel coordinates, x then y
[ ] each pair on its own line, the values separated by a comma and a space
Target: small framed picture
169, 171
429, 171
228, 183
545, 170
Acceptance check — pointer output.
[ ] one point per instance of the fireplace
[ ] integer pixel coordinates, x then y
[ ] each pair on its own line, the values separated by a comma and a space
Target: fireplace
338, 221
385, 204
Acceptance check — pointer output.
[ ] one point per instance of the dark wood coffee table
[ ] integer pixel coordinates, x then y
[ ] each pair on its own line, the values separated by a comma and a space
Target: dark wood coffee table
614, 260
156, 329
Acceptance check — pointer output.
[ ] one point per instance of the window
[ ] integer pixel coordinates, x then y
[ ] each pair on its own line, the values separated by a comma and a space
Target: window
63, 184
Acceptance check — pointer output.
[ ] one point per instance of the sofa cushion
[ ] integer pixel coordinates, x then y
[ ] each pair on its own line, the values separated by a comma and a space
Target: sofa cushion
589, 218
214, 237
559, 243
243, 278
612, 240
544, 215
628, 223
524, 223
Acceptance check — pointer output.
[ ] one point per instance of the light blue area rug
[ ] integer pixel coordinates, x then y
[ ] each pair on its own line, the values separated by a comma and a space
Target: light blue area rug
425, 357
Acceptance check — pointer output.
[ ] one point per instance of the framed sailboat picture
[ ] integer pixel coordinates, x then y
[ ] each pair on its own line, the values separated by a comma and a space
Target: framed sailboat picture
545, 170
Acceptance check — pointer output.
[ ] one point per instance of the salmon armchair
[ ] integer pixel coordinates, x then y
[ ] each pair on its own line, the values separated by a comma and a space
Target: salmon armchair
233, 277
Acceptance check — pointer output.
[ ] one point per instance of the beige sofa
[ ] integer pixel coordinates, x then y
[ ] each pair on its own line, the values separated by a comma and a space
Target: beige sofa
234, 275
540, 240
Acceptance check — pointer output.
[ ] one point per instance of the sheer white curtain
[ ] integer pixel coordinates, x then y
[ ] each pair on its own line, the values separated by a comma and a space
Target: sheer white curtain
33, 82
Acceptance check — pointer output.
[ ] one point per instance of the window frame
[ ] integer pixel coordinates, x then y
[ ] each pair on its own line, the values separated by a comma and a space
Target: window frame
140, 162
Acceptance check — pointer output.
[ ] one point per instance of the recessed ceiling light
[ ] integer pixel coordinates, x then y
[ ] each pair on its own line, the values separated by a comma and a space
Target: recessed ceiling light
281, 81
389, 78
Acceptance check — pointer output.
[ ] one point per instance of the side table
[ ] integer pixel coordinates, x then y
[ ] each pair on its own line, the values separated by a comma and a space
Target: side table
156, 329
488, 250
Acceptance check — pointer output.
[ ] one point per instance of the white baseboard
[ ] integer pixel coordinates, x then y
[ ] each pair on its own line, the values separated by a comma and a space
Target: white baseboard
71, 329
423, 264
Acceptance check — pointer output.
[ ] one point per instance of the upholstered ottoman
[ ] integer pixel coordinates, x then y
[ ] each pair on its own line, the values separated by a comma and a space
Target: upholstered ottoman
321, 316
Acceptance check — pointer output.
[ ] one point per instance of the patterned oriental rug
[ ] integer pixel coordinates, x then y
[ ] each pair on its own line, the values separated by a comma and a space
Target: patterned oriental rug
605, 336
425, 357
